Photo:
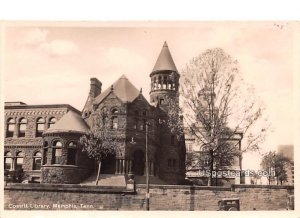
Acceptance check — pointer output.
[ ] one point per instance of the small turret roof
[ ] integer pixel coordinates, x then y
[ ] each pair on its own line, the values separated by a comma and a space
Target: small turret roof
70, 122
123, 89
164, 60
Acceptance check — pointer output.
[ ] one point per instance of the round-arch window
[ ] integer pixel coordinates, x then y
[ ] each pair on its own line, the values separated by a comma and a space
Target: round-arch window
40, 126
115, 111
10, 127
57, 152
19, 160
52, 121
37, 161
22, 127
8, 160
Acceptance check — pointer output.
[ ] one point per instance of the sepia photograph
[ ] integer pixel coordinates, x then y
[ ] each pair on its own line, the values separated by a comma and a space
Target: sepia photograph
149, 116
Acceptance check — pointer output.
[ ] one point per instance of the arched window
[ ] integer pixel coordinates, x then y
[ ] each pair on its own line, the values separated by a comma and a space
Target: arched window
136, 123
40, 126
19, 160
164, 82
114, 119
71, 160
10, 127
22, 127
37, 161
56, 152
8, 161
143, 125
52, 121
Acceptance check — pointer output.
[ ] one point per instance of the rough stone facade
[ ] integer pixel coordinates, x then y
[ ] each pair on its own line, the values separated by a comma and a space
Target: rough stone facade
185, 198
132, 118
31, 143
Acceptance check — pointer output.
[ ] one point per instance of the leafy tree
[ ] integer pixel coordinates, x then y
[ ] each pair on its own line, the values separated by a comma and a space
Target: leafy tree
99, 142
275, 164
218, 106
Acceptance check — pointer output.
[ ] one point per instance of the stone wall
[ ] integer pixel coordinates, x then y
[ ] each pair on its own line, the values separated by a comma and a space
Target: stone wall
167, 197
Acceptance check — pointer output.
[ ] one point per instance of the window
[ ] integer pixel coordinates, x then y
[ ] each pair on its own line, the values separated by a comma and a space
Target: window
37, 161
71, 160
136, 123
40, 126
10, 127
143, 125
19, 160
114, 122
161, 101
114, 119
171, 163
45, 154
57, 152
22, 127
52, 121
8, 161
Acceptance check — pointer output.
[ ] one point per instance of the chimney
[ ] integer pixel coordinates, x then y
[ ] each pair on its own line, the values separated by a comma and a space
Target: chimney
95, 88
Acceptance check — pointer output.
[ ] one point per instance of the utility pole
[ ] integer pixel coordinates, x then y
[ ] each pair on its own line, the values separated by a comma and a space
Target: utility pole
147, 170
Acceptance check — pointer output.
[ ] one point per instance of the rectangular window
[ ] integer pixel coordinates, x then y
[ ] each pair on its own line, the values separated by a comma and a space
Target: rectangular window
114, 123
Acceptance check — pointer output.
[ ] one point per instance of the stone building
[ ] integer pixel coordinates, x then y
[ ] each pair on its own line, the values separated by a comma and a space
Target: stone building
43, 140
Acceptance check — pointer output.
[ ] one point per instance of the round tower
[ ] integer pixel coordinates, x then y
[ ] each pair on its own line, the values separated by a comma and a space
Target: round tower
164, 79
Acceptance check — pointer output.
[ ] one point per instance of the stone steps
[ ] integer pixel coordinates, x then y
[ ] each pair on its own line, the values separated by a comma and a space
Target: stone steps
106, 180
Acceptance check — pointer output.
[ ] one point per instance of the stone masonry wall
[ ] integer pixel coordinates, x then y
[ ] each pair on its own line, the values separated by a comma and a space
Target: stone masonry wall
161, 197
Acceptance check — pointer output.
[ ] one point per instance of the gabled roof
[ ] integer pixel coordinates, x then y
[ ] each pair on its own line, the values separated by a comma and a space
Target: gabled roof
70, 122
122, 88
164, 60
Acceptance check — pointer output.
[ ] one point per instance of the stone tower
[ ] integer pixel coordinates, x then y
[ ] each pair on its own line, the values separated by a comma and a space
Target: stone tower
164, 79
164, 91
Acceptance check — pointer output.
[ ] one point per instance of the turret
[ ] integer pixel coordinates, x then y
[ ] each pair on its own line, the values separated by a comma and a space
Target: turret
164, 79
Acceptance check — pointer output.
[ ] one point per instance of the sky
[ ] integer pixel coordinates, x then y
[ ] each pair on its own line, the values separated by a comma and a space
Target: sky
52, 63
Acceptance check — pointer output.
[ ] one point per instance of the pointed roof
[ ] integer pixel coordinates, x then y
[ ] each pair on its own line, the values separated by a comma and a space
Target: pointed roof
70, 122
164, 60
123, 89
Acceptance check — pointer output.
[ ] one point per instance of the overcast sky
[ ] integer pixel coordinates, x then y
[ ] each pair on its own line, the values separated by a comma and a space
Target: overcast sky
51, 64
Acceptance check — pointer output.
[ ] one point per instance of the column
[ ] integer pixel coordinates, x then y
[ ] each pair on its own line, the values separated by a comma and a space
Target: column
117, 166
130, 166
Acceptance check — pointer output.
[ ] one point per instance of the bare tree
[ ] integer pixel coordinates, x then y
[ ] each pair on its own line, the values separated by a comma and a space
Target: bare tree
219, 105
99, 142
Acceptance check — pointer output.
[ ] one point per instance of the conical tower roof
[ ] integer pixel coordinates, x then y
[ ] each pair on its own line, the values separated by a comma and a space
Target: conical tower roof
164, 60
70, 122
123, 89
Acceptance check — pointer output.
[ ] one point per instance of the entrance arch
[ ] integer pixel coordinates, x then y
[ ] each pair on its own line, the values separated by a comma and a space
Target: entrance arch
138, 165
108, 165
